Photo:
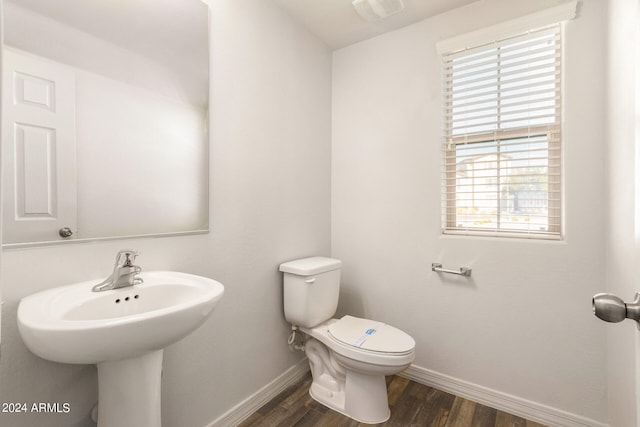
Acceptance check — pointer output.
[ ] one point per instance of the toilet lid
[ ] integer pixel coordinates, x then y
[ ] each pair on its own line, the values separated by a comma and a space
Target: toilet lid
371, 335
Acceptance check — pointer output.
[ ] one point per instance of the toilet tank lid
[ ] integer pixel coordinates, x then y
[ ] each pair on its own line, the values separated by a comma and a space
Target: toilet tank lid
310, 266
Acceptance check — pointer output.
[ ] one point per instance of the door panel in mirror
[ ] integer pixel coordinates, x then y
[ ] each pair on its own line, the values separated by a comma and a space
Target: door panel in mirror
39, 151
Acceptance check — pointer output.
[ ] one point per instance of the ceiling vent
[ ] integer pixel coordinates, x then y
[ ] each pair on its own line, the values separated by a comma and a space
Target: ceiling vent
374, 10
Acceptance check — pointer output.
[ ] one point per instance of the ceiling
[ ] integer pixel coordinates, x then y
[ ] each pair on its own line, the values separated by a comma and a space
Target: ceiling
143, 25
337, 23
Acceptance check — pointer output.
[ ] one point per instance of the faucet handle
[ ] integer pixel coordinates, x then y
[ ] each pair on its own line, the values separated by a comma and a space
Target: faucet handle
126, 258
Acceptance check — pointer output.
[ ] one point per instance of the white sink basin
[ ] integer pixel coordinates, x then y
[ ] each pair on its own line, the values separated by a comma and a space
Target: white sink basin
72, 324
124, 331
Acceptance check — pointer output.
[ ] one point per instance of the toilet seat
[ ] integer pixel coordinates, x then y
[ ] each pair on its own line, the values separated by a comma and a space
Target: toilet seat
371, 335
387, 346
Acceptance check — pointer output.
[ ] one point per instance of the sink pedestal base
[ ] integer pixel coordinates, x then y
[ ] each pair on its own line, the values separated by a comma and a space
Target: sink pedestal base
129, 391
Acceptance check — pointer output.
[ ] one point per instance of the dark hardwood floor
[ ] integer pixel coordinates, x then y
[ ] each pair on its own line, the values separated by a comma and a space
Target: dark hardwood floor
411, 404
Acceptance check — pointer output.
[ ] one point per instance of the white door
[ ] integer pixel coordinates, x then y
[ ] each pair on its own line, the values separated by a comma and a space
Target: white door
636, 115
39, 148
622, 248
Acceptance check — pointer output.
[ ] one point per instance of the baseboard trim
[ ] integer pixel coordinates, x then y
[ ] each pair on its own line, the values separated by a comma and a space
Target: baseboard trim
244, 409
530, 410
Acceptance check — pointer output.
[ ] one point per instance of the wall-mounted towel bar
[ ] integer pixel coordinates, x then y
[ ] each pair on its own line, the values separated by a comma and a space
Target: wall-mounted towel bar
464, 271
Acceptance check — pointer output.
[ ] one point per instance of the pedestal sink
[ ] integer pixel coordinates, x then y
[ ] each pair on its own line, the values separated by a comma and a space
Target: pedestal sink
123, 331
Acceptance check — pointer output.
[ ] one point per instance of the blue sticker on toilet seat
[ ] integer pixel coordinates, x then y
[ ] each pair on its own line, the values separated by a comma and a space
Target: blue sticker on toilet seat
367, 334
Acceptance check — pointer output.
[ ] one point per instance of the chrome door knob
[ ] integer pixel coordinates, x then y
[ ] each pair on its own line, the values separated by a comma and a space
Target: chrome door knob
612, 308
65, 232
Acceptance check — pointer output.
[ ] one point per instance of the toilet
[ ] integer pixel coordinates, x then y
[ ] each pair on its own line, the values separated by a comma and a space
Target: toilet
349, 357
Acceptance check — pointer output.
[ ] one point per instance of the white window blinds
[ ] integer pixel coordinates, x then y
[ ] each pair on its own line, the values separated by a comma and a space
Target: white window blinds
502, 137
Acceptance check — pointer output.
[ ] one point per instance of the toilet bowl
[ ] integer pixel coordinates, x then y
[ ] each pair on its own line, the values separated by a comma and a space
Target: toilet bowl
349, 357
349, 377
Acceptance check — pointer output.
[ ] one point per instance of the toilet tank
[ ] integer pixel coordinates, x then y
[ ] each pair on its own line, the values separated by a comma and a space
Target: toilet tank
311, 290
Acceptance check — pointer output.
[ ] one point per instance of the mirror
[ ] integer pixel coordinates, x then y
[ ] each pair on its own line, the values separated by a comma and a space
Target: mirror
104, 119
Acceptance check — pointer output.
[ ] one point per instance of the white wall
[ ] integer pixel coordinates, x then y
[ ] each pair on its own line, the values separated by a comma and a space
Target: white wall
622, 277
522, 325
148, 160
1, 71
270, 198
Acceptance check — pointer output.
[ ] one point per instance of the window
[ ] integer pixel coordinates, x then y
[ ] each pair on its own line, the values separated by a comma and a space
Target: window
502, 137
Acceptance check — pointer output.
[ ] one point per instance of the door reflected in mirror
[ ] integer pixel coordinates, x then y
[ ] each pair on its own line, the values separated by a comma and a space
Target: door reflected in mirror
104, 119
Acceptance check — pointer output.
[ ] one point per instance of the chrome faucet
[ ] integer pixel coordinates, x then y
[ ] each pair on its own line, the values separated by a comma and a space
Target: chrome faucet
125, 273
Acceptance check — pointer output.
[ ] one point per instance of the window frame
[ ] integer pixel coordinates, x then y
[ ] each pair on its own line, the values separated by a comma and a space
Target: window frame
552, 132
